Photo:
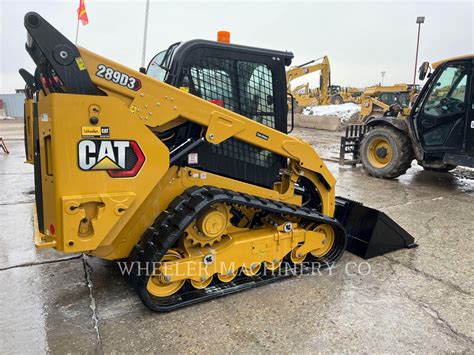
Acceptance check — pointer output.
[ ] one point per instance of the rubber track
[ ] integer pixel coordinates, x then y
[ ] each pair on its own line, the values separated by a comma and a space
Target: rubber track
184, 209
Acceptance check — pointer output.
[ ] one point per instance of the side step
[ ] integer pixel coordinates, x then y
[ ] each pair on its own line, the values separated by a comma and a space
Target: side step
459, 159
370, 232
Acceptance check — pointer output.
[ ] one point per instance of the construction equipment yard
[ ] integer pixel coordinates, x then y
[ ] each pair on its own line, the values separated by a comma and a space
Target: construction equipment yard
411, 300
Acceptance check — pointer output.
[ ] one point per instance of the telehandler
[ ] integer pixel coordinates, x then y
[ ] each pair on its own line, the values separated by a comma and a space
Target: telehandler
377, 101
438, 131
185, 169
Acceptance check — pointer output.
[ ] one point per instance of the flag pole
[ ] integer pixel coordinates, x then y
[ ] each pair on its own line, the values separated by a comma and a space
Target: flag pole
77, 29
145, 32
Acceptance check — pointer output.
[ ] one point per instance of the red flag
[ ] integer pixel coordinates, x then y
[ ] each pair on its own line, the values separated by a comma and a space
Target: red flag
82, 13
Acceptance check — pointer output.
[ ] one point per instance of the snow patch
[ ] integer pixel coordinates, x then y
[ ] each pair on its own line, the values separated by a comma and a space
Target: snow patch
344, 111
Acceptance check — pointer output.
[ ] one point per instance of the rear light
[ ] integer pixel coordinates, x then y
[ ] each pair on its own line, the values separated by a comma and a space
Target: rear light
218, 102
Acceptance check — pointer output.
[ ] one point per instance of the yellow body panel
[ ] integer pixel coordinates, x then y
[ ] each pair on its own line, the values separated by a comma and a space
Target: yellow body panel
370, 106
29, 131
434, 65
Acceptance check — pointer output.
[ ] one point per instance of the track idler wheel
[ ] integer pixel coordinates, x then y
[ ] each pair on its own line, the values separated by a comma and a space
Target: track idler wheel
201, 284
333, 247
295, 257
158, 285
252, 270
327, 243
227, 277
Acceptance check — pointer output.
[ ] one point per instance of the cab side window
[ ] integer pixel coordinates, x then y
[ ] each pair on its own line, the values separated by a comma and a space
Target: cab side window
448, 96
256, 87
404, 99
389, 98
240, 86
213, 85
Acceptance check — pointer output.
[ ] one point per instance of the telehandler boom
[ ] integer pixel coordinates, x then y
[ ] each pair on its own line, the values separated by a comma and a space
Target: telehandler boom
186, 171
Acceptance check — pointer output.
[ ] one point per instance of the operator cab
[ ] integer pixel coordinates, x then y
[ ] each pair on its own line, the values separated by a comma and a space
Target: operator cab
334, 89
246, 80
394, 98
442, 116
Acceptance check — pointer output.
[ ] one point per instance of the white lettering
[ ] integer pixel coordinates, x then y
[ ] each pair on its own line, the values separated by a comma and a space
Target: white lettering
86, 148
121, 146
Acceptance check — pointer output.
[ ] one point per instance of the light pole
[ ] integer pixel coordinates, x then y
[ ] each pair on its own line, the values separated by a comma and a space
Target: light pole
419, 21
145, 32
383, 75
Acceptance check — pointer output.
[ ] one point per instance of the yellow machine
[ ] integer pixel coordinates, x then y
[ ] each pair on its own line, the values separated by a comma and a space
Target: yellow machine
186, 171
326, 94
377, 100
437, 131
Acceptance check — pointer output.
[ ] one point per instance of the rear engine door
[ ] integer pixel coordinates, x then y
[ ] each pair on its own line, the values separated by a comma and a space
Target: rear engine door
441, 122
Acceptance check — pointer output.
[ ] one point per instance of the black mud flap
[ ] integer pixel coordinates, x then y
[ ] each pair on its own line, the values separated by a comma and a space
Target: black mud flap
370, 232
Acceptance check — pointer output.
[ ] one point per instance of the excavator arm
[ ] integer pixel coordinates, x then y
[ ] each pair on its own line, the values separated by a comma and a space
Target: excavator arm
308, 68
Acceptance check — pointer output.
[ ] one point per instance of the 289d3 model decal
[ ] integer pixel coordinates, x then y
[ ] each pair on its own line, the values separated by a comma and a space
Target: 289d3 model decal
117, 77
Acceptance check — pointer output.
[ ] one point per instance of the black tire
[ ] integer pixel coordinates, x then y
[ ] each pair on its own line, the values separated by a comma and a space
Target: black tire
337, 100
438, 167
395, 164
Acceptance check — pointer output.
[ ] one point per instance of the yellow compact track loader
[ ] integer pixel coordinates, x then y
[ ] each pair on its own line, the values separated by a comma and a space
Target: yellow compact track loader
185, 170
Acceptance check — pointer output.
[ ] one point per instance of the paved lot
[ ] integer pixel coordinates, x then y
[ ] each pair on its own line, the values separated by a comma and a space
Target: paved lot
410, 300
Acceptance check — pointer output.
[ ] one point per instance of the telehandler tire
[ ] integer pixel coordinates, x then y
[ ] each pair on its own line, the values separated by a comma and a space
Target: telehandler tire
386, 152
337, 100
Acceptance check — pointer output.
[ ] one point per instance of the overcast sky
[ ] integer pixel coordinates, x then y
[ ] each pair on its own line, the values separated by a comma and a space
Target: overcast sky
361, 38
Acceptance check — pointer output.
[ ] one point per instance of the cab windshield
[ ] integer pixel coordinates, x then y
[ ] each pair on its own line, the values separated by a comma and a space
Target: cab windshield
154, 68
160, 64
447, 95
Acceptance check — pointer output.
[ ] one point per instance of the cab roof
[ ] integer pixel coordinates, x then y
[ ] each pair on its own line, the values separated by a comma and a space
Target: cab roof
434, 65
187, 46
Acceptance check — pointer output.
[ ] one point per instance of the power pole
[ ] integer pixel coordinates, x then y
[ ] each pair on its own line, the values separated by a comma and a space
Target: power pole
145, 32
419, 21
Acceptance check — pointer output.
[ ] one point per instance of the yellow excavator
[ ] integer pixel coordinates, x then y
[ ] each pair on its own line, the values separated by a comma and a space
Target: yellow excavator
185, 170
326, 94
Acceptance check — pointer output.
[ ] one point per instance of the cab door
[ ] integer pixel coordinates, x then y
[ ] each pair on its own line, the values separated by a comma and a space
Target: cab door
441, 122
470, 117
